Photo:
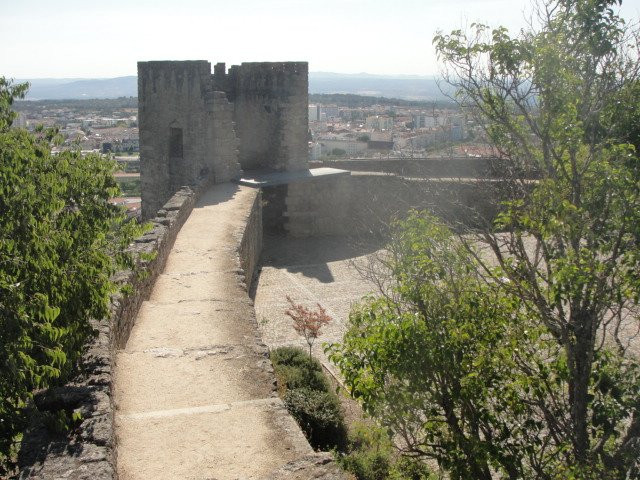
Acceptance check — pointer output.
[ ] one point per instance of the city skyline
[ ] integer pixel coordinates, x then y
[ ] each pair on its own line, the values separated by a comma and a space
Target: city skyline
74, 39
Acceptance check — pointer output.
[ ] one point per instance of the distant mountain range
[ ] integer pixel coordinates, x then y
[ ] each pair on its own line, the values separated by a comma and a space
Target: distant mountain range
74, 88
408, 87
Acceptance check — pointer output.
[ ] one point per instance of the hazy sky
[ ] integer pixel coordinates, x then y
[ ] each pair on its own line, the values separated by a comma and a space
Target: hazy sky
85, 38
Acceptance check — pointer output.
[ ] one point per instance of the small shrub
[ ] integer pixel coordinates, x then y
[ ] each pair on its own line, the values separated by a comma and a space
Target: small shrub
308, 397
320, 416
295, 357
291, 377
367, 464
371, 456
294, 369
406, 468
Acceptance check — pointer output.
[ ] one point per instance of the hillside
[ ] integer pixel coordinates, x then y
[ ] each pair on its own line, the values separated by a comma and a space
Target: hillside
402, 87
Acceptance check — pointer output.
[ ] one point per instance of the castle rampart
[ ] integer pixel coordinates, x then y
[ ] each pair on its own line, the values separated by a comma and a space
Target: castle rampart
271, 111
194, 124
197, 129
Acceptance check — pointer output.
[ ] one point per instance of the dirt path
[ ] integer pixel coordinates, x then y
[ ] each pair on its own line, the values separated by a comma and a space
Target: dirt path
194, 388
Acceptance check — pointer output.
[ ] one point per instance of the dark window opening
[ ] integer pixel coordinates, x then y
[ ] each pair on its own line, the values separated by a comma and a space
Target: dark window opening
175, 143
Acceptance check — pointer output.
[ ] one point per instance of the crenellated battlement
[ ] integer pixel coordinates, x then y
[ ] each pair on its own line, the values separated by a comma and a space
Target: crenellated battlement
188, 131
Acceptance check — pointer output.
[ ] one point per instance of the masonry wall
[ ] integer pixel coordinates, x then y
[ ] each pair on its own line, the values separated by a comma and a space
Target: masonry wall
447, 167
250, 243
271, 113
190, 129
89, 453
320, 206
186, 130
224, 142
173, 131
365, 204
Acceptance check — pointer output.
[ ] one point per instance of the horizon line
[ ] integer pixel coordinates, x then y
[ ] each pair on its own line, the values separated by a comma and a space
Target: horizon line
317, 72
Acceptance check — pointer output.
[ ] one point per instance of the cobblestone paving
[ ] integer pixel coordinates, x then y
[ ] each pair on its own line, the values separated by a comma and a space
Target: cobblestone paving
321, 270
310, 271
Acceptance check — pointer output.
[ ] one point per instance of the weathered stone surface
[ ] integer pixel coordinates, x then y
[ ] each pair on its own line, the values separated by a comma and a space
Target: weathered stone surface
194, 124
186, 132
318, 466
88, 452
366, 203
270, 102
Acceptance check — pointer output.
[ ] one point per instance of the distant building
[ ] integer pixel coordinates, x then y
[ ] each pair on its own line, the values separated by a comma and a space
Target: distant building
379, 122
328, 112
130, 144
314, 113
315, 150
425, 121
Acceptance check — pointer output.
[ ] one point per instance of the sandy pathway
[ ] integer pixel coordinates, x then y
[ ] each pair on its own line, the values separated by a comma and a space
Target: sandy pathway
194, 390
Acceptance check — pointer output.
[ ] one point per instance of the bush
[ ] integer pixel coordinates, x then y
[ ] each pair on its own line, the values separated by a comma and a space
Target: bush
309, 399
294, 369
291, 378
319, 414
371, 456
294, 357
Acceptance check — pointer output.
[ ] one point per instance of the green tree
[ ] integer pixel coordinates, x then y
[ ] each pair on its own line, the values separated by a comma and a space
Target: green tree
338, 152
559, 104
549, 102
60, 242
432, 359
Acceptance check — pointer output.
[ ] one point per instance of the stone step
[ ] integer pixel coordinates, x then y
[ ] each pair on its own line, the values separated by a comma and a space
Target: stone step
201, 375
211, 442
191, 324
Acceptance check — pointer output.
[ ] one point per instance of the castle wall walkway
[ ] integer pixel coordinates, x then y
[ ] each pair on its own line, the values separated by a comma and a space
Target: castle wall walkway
194, 388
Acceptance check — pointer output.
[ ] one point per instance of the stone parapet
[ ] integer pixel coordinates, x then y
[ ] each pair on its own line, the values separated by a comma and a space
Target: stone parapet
88, 452
250, 242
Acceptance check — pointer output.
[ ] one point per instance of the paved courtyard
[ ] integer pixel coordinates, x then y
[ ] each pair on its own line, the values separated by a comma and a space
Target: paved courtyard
323, 270
310, 271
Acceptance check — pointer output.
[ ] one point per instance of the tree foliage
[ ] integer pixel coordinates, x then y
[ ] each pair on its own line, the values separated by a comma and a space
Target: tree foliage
454, 365
60, 242
306, 322
551, 103
546, 295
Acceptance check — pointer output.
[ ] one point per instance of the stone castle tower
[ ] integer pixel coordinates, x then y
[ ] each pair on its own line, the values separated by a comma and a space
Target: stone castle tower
195, 124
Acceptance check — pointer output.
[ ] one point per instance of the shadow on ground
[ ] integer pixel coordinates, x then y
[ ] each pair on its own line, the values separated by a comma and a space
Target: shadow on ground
310, 256
220, 193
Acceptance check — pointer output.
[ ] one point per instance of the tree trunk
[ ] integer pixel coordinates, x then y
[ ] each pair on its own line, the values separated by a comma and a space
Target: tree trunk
580, 361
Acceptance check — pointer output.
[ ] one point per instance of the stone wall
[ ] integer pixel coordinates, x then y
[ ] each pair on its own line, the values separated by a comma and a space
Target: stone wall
174, 139
89, 451
271, 113
449, 167
194, 124
365, 203
319, 207
186, 130
225, 143
250, 243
